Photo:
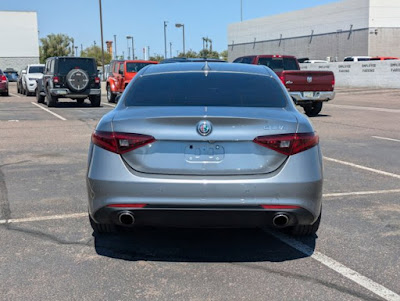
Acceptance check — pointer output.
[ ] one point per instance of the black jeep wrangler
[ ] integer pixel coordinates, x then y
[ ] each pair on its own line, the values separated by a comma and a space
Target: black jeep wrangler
70, 77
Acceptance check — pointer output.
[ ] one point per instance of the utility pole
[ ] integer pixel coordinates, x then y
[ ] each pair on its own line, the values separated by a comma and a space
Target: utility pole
102, 42
165, 39
170, 49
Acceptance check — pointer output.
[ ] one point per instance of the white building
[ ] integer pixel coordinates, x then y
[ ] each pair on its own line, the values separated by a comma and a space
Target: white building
19, 39
337, 30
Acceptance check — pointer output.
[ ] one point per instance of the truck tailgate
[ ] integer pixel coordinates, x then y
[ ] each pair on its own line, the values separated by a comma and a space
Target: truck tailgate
308, 80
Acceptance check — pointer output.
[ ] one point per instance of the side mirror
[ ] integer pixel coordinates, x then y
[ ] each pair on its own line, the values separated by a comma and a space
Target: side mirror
23, 72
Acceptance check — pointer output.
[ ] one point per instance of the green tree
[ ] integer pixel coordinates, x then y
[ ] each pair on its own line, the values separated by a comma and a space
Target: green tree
95, 52
189, 53
209, 54
55, 45
224, 55
156, 57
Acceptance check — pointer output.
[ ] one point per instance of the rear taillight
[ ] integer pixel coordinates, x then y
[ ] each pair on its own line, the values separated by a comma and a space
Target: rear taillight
289, 144
333, 82
56, 80
3, 78
282, 78
97, 80
120, 143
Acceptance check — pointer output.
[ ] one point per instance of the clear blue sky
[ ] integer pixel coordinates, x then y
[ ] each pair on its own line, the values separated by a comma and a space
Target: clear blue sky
144, 20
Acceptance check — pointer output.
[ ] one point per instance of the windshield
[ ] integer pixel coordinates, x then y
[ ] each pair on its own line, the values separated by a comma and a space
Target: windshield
65, 65
36, 69
214, 89
278, 64
135, 67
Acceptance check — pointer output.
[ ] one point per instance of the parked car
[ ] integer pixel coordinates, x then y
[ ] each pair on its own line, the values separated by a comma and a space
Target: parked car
121, 74
3, 84
28, 81
205, 144
309, 89
19, 80
71, 77
356, 58
12, 75
315, 62
384, 58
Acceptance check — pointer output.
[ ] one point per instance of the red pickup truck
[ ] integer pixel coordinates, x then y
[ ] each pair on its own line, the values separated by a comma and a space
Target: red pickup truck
121, 73
308, 89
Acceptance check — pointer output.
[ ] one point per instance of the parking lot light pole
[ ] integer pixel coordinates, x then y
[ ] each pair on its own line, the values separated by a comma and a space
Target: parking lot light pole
183, 35
102, 42
165, 39
133, 49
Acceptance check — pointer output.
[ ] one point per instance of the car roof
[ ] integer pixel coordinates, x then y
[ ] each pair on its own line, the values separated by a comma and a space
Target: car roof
190, 59
204, 66
140, 61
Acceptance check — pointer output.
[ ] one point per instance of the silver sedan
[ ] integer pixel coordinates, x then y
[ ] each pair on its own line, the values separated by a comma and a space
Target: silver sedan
205, 145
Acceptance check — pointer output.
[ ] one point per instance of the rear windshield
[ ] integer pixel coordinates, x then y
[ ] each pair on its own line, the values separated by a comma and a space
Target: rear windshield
135, 67
200, 89
36, 69
278, 64
66, 65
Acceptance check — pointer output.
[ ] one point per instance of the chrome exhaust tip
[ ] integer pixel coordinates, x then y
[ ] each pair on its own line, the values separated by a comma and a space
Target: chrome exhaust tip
126, 218
280, 220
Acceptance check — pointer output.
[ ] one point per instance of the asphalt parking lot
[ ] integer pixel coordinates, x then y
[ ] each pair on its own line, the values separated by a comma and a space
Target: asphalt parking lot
48, 250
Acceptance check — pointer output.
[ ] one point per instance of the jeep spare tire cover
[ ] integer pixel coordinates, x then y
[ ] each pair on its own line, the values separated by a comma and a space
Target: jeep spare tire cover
77, 80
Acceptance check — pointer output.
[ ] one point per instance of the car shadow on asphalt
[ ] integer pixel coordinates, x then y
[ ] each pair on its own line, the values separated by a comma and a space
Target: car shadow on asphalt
74, 104
197, 245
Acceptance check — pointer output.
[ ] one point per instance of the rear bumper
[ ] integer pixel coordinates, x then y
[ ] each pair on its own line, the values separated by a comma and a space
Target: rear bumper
203, 216
64, 92
318, 96
298, 182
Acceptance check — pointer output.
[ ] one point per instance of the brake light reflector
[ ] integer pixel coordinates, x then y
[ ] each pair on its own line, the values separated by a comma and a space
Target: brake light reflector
56, 79
97, 80
280, 207
120, 143
288, 144
126, 205
333, 82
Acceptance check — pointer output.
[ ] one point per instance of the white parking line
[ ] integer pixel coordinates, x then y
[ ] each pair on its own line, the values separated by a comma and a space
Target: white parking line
110, 105
336, 266
365, 108
384, 173
384, 138
42, 218
329, 195
47, 110
15, 95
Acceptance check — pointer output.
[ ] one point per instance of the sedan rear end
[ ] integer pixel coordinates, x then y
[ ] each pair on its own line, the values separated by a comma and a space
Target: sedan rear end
205, 144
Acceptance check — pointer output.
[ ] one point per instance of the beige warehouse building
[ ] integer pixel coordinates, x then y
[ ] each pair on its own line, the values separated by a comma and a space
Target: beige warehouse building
19, 39
337, 30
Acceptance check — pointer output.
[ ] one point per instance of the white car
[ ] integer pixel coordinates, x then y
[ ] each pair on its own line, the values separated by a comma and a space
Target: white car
316, 62
29, 77
356, 58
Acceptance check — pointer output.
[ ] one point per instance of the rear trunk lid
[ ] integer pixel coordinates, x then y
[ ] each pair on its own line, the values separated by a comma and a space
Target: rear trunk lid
180, 150
313, 81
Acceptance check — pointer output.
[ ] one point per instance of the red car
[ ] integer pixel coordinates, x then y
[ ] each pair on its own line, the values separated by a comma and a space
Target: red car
384, 58
3, 84
121, 74
308, 89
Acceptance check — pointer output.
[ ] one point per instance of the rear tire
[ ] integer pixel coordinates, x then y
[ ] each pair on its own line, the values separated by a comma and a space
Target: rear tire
305, 230
102, 228
39, 98
95, 100
51, 100
313, 109
110, 95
